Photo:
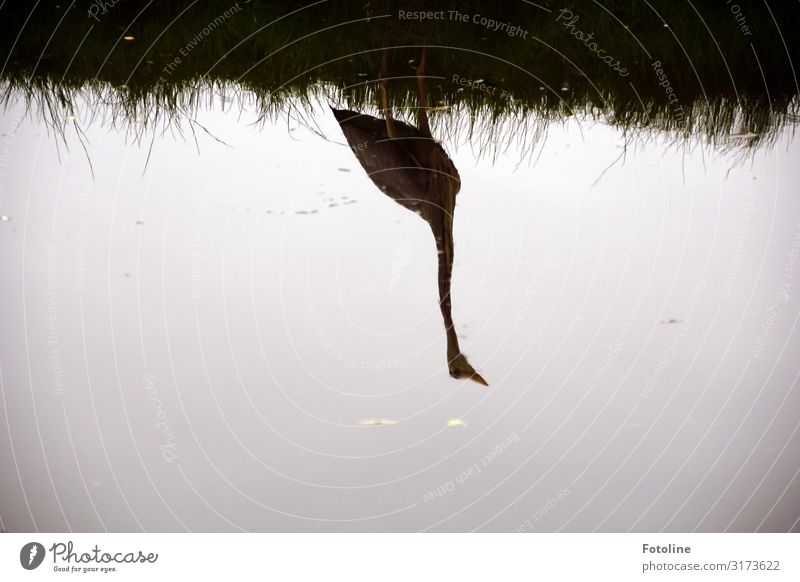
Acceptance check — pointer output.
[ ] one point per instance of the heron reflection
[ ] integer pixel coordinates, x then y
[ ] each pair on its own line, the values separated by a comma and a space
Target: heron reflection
407, 164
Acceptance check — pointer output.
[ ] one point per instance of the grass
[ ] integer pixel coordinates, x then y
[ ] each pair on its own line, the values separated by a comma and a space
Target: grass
274, 56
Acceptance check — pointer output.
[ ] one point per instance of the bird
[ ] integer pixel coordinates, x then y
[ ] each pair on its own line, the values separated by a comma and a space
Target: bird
407, 164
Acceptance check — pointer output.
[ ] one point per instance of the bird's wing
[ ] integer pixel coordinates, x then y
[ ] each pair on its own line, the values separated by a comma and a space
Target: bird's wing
393, 164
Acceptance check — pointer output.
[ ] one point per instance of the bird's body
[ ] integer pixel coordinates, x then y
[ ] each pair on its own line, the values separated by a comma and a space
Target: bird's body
412, 168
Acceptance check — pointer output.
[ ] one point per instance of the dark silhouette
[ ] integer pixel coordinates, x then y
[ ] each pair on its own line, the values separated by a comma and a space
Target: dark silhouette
412, 168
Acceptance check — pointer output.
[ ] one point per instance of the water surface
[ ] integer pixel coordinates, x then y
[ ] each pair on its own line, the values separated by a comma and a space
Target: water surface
220, 323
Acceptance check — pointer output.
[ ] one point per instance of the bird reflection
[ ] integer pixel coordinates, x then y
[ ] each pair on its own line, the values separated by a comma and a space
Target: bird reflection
412, 168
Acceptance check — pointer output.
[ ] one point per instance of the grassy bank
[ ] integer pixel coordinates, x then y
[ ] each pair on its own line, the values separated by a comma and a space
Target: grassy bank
721, 72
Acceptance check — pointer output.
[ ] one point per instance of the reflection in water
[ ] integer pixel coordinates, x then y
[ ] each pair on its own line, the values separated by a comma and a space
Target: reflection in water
411, 167
716, 80
646, 326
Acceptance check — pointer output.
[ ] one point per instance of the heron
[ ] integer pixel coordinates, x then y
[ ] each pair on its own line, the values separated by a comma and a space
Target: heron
407, 164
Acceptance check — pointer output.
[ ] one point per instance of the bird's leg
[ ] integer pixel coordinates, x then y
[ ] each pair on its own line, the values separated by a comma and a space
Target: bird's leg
422, 111
391, 130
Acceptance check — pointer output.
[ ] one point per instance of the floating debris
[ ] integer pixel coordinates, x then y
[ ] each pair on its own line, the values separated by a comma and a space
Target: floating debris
327, 201
5, 218
376, 421
128, 37
674, 321
343, 169
454, 422
139, 222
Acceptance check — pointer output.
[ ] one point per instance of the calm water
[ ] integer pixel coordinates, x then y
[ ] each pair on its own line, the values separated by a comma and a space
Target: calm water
233, 312
247, 336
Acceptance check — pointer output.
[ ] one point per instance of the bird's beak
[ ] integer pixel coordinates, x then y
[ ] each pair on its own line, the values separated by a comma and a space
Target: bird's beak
479, 379
461, 369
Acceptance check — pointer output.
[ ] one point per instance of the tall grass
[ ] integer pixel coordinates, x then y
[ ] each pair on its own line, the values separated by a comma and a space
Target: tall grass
274, 56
